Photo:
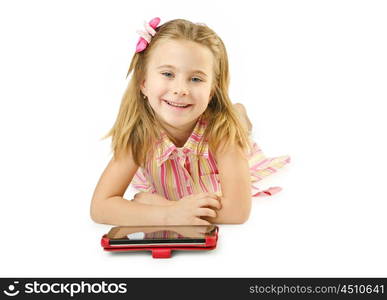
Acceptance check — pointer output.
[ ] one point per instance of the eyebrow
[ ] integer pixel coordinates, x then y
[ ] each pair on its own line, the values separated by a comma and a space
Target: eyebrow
172, 67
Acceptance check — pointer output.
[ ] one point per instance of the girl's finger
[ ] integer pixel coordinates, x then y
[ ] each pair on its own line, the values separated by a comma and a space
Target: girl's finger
210, 202
205, 212
199, 221
210, 195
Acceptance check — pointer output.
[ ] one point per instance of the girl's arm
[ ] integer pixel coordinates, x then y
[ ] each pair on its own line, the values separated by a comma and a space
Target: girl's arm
108, 205
121, 212
234, 175
149, 198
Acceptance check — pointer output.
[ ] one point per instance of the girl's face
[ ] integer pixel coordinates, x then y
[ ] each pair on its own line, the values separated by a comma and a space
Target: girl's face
181, 73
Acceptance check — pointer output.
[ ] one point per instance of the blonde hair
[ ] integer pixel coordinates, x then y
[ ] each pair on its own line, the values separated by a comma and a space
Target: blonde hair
137, 128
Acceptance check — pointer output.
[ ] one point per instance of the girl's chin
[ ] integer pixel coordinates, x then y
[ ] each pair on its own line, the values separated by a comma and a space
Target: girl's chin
176, 120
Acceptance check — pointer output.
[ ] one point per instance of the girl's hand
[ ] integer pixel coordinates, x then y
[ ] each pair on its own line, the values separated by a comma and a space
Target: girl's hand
152, 199
189, 209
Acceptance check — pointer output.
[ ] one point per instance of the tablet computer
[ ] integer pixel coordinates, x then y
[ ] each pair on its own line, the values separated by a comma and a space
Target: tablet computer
161, 236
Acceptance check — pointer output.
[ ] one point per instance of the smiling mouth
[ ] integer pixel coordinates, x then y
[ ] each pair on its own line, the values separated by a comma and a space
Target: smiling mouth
180, 106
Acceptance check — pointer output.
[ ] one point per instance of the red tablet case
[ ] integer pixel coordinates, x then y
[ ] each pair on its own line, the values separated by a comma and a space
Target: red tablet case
162, 251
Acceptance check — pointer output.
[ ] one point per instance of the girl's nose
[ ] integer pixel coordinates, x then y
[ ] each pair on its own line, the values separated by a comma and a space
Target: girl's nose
182, 92
181, 89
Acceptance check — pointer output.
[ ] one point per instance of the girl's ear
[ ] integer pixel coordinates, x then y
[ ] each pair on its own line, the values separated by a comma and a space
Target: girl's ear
142, 87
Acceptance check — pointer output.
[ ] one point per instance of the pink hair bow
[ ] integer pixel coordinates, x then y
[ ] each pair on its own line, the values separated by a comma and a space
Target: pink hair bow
146, 36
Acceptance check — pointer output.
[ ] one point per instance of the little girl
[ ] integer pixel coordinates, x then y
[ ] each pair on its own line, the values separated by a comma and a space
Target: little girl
178, 139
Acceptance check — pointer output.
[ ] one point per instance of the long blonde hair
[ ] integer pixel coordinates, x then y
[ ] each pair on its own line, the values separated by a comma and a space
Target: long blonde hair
137, 128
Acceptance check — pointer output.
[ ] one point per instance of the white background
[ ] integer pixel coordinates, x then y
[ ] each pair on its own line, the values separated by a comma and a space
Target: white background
312, 75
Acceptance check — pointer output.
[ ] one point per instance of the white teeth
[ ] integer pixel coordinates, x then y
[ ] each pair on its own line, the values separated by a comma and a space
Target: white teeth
174, 104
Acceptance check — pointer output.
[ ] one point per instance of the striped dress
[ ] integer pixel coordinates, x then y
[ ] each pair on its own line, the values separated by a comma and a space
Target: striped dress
179, 172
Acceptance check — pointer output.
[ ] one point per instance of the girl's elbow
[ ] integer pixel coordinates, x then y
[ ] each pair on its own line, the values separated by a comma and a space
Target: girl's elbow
244, 214
236, 219
94, 217
238, 215
242, 218
94, 213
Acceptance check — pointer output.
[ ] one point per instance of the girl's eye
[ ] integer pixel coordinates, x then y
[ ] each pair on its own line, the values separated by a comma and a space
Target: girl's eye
169, 74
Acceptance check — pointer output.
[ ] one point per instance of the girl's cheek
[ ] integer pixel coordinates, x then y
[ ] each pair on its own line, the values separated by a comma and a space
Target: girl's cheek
161, 89
155, 86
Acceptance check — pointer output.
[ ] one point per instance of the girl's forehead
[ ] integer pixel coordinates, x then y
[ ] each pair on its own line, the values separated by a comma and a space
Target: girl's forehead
182, 55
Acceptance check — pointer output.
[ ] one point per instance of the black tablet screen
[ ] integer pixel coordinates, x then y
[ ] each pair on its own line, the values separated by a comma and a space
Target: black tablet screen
145, 235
